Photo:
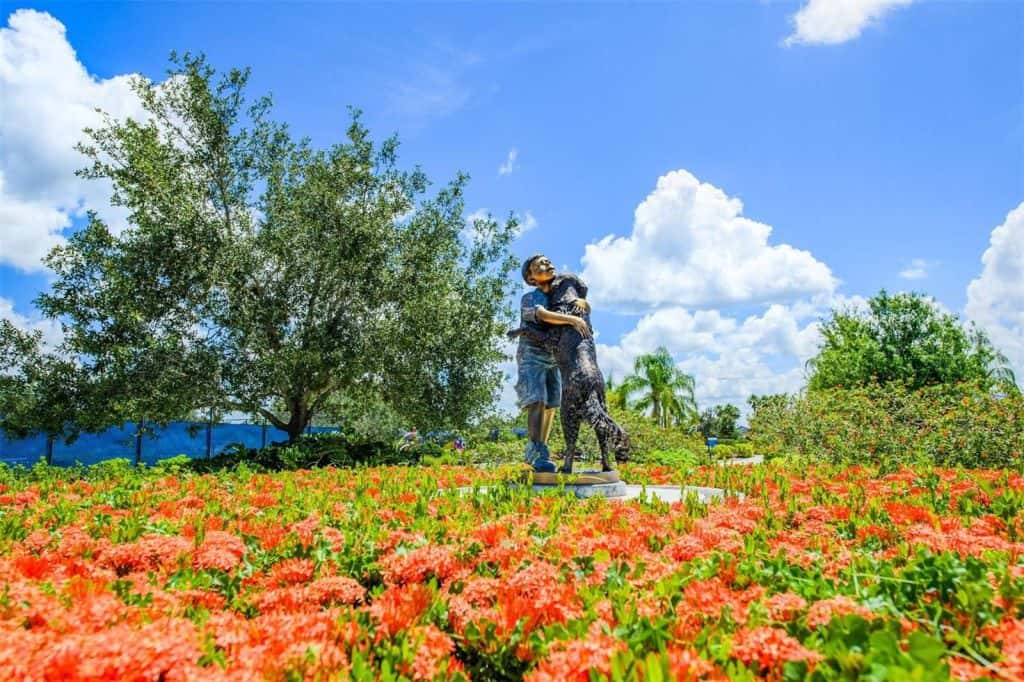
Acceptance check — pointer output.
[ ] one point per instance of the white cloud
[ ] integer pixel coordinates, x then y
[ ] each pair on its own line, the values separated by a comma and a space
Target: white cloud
918, 269
511, 163
48, 98
729, 358
50, 329
527, 222
691, 246
507, 399
830, 22
435, 84
995, 299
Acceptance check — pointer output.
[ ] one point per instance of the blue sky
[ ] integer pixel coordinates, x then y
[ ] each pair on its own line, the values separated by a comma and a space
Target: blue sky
884, 137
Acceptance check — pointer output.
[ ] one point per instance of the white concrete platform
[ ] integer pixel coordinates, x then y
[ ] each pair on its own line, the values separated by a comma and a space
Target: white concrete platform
741, 461
672, 493
624, 491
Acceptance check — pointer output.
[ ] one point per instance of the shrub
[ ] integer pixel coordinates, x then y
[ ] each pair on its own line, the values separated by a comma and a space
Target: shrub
645, 435
342, 448
947, 424
678, 458
732, 450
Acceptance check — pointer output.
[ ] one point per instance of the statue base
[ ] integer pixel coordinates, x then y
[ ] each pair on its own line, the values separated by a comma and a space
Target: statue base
580, 483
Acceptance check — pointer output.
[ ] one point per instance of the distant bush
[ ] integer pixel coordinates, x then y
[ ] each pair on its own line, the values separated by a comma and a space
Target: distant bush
645, 435
948, 425
678, 458
732, 450
342, 448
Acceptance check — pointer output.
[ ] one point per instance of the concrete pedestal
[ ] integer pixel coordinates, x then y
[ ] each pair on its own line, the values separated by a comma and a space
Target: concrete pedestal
580, 483
607, 484
617, 489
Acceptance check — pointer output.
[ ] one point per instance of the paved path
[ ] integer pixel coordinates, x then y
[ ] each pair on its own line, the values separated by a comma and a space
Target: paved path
741, 461
673, 493
665, 493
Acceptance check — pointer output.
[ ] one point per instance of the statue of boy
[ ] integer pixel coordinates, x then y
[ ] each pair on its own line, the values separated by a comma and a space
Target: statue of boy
539, 386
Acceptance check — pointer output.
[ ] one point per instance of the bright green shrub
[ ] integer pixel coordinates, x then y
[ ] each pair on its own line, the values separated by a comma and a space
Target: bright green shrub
733, 450
645, 435
678, 458
948, 425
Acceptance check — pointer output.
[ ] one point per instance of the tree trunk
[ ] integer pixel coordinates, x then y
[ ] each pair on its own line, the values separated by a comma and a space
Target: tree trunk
300, 416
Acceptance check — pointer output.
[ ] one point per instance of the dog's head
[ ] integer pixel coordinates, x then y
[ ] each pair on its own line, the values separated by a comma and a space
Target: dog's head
621, 446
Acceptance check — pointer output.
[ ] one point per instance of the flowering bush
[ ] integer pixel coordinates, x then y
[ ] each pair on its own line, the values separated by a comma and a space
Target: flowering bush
947, 425
818, 573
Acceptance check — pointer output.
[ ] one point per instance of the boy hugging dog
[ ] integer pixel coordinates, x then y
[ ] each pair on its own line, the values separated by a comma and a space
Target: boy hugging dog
557, 365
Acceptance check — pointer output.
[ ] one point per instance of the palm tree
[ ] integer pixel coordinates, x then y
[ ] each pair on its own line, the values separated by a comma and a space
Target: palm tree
664, 389
1000, 373
615, 394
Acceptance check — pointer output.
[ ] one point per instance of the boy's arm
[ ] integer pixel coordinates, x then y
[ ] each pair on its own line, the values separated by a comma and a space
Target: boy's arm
541, 338
550, 317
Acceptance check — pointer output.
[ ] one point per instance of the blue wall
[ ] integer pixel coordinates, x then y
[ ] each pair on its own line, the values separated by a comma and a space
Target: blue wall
120, 442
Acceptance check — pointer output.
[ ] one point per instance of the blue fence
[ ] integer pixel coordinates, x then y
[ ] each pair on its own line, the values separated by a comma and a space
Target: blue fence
177, 438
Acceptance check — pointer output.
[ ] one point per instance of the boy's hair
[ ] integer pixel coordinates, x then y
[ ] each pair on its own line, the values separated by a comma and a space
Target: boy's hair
526, 267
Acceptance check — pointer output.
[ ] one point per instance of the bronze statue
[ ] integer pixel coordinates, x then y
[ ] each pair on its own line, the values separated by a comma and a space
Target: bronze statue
571, 338
538, 386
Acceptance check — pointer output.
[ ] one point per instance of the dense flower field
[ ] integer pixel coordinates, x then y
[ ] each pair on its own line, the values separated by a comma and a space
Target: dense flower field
392, 574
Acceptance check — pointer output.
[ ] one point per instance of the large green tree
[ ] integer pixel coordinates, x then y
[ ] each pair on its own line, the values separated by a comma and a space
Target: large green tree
660, 387
720, 421
907, 338
261, 273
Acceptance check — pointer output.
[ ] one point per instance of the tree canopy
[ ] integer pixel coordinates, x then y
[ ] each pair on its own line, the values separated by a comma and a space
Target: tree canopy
263, 274
664, 389
720, 421
906, 338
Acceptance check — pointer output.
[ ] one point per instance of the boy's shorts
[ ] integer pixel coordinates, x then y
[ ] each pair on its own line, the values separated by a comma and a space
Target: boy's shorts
538, 380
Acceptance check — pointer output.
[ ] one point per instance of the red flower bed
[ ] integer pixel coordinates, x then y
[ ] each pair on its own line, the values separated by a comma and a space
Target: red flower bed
818, 573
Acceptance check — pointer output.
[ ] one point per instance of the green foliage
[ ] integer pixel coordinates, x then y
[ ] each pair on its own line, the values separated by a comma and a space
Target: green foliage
262, 274
37, 389
664, 390
720, 421
962, 424
678, 458
904, 338
733, 450
494, 452
343, 448
364, 415
645, 434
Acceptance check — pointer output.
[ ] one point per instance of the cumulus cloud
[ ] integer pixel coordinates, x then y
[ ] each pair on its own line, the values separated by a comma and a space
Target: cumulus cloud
995, 299
730, 358
691, 245
50, 329
527, 222
49, 97
918, 269
511, 163
830, 22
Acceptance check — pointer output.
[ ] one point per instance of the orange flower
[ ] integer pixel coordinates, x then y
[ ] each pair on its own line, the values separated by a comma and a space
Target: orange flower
822, 612
785, 606
291, 571
434, 649
416, 565
398, 607
574, 661
769, 648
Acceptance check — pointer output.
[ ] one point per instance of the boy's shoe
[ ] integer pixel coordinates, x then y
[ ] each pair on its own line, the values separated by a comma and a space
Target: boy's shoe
542, 459
545, 466
530, 453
